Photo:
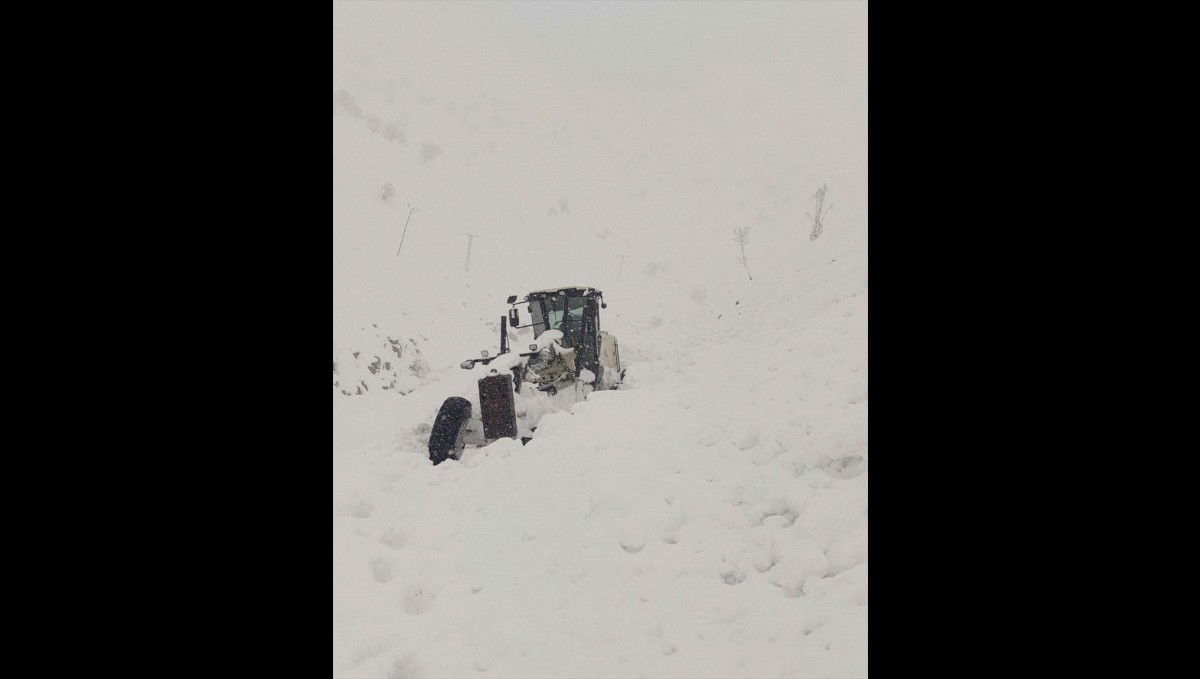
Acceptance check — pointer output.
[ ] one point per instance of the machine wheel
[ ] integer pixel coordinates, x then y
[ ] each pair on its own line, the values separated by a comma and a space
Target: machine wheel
443, 439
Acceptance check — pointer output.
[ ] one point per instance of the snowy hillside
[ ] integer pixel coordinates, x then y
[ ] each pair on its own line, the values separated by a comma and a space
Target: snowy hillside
709, 517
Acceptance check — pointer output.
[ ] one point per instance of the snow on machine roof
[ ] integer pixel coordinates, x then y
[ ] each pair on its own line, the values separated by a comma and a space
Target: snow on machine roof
568, 287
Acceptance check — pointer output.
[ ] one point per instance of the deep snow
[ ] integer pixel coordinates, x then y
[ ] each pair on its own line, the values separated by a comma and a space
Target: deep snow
708, 518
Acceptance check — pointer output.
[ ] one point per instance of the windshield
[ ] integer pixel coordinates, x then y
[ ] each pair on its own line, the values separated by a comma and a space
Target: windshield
573, 312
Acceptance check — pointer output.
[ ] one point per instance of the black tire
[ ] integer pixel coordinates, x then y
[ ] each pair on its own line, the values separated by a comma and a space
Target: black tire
453, 415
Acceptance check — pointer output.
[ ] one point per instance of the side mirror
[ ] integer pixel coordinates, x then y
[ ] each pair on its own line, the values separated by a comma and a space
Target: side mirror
467, 364
483, 353
511, 299
514, 318
603, 305
533, 347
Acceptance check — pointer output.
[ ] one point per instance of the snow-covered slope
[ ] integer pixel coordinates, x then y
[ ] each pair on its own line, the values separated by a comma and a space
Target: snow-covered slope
707, 519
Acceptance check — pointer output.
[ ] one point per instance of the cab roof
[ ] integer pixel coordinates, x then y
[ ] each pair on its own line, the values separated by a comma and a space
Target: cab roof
566, 288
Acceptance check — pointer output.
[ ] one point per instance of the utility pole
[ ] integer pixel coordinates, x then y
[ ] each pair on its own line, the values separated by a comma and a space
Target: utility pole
621, 269
411, 210
470, 238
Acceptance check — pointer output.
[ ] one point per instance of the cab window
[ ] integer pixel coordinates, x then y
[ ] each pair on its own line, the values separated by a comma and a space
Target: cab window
571, 309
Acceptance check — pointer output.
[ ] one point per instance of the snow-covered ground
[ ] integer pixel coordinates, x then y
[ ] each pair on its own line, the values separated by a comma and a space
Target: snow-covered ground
708, 518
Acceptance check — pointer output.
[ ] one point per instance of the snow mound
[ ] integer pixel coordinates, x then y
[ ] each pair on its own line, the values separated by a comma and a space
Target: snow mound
374, 360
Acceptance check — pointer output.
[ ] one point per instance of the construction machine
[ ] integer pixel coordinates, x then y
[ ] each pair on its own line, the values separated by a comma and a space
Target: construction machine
569, 358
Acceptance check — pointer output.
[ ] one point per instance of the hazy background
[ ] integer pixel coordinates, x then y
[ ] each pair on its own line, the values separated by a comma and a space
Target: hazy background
643, 129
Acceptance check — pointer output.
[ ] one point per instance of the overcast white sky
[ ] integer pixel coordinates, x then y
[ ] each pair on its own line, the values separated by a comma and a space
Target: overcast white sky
726, 113
725, 62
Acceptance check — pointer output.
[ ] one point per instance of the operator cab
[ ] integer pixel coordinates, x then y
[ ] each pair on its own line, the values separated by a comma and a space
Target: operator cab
575, 311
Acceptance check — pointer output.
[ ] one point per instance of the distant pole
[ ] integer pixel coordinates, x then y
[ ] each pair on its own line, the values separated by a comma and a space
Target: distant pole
411, 210
470, 238
621, 269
